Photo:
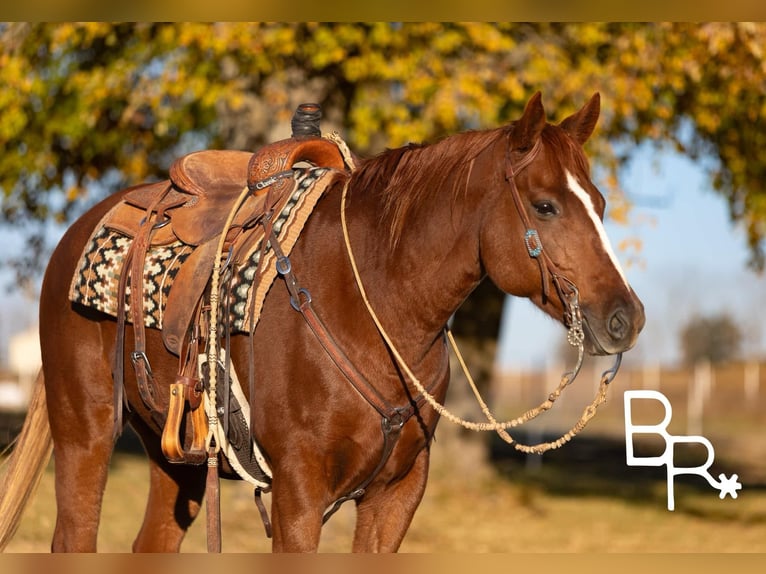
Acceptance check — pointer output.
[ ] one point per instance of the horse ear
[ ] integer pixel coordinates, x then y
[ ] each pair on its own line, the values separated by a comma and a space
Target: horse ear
526, 130
580, 125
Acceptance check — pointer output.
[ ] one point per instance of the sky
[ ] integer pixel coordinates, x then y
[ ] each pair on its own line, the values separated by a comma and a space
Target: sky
692, 261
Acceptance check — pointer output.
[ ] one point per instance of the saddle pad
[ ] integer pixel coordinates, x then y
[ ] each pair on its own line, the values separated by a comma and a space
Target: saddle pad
97, 277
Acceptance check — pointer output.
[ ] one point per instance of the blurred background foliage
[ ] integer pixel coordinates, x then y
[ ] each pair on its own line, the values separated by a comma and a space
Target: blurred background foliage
86, 108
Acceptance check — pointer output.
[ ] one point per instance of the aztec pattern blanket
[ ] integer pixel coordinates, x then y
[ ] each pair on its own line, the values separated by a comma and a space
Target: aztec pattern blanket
95, 283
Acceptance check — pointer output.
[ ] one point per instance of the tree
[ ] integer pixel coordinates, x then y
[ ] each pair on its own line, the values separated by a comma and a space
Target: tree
713, 338
89, 105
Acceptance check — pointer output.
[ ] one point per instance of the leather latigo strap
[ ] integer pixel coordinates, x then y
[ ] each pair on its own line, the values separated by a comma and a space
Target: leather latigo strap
144, 376
133, 270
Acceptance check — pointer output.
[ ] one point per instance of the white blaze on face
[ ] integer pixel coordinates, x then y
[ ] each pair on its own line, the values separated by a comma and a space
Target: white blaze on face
587, 201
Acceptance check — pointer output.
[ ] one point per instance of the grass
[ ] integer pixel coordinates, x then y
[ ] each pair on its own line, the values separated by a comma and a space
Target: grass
484, 497
478, 500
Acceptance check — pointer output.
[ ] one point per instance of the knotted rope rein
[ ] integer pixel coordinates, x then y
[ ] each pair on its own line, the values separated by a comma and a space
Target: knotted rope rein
214, 430
575, 338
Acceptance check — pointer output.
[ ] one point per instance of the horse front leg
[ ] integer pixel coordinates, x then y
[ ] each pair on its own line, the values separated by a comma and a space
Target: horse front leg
385, 515
298, 500
296, 522
175, 498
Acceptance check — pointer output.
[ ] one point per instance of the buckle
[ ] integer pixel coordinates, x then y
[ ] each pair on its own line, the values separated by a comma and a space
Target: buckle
136, 356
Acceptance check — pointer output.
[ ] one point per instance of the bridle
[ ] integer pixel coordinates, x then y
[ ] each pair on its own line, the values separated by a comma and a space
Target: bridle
549, 272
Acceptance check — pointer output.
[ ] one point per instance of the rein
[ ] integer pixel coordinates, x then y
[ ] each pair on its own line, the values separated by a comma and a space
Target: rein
569, 296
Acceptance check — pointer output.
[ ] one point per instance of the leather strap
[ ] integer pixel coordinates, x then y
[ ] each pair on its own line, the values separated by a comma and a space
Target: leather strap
262, 510
118, 361
549, 271
392, 418
140, 245
300, 299
133, 268
141, 366
213, 503
268, 235
391, 432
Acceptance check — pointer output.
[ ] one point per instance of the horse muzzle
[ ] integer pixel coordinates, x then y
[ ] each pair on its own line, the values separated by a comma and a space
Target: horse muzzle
617, 332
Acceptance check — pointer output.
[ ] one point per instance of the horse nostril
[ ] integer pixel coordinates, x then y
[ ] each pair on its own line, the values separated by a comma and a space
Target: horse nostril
618, 325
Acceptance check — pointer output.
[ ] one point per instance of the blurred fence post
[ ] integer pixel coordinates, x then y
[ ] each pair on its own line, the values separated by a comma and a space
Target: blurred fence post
514, 392
701, 385
752, 383
650, 378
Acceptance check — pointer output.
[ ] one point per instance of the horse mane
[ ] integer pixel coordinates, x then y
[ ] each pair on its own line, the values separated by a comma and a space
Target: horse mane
409, 177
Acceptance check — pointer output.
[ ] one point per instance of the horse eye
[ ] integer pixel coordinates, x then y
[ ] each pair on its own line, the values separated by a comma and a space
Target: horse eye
545, 208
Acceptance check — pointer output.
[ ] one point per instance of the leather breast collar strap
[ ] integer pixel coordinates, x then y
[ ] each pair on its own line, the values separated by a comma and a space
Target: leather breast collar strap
392, 418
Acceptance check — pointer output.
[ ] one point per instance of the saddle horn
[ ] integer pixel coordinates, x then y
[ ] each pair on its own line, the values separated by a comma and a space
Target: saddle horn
305, 120
305, 145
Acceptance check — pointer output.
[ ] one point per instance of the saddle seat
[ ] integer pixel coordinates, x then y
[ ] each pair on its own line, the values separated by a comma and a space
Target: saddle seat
204, 185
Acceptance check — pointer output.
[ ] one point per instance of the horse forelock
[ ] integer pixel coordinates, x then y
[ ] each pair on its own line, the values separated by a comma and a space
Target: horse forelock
414, 175
568, 153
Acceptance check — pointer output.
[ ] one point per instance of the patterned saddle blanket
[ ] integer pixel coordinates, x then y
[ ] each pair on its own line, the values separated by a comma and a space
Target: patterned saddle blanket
169, 262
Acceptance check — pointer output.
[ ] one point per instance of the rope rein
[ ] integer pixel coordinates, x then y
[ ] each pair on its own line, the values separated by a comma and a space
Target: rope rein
214, 430
575, 338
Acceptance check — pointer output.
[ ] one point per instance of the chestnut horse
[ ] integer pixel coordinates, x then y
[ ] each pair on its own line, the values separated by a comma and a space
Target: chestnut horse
426, 223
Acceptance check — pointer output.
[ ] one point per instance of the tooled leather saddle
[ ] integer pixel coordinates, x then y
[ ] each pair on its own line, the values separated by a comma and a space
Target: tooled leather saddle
194, 203
191, 207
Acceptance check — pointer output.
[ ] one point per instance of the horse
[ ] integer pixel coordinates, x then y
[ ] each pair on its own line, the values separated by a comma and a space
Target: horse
426, 223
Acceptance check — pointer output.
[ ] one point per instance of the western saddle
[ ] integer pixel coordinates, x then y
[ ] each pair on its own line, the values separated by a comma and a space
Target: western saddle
204, 190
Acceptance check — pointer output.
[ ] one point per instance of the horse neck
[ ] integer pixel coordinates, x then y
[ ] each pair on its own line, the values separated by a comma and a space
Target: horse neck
433, 265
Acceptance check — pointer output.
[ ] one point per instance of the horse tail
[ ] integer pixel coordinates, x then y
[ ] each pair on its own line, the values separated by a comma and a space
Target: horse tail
32, 449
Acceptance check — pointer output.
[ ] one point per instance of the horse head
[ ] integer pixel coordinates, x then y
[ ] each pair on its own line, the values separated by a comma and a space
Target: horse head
544, 237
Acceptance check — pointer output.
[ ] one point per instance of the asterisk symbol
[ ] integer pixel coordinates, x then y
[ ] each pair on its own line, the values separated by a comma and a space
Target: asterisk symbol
728, 486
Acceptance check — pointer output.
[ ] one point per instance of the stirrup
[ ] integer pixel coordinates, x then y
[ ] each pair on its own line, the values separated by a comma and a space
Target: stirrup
181, 392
